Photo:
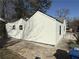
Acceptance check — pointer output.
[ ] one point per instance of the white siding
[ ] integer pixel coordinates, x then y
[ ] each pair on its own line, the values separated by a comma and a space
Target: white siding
44, 29
39, 28
16, 33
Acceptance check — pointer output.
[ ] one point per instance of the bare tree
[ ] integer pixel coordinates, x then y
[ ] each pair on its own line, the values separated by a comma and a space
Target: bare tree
15, 9
62, 13
75, 24
12, 10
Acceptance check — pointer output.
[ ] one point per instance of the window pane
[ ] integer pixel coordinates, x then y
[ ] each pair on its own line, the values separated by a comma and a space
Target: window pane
37, 58
21, 27
13, 27
60, 30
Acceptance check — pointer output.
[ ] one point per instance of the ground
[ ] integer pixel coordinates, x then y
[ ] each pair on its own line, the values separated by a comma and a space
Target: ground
9, 54
63, 44
29, 50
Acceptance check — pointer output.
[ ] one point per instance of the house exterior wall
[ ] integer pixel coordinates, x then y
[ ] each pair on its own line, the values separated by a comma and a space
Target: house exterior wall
39, 28
65, 26
58, 35
43, 29
15, 33
63, 30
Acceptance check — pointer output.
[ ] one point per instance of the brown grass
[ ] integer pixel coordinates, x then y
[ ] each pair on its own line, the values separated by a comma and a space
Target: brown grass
8, 54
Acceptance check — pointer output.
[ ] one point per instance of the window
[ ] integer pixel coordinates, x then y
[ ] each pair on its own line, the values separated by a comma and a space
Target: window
37, 58
64, 28
13, 27
21, 27
60, 30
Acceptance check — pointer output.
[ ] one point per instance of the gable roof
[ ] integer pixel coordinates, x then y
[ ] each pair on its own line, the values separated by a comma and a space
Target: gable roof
57, 19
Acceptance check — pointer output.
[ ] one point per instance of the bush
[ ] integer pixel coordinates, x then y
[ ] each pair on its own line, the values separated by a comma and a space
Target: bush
73, 44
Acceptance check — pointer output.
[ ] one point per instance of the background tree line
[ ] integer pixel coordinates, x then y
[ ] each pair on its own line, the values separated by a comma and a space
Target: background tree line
12, 10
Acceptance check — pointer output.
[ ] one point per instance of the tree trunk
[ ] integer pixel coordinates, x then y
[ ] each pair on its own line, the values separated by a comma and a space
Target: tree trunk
3, 34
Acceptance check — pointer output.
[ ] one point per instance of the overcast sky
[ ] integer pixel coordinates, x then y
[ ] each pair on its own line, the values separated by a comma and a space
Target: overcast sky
72, 5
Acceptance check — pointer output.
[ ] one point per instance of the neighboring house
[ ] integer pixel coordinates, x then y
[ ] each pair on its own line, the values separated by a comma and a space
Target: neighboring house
39, 28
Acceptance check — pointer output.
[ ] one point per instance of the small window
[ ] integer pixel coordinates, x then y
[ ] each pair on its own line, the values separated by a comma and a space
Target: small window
64, 28
13, 27
37, 58
60, 30
21, 27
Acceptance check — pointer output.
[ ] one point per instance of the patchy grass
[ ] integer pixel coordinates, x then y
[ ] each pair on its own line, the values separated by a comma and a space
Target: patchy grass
8, 54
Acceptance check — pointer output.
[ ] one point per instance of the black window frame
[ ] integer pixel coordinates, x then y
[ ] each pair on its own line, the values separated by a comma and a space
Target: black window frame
60, 29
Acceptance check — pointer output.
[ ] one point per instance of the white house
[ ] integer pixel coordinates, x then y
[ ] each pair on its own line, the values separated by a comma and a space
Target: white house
39, 28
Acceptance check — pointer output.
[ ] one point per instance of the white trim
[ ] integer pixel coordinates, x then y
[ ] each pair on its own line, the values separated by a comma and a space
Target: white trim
2, 20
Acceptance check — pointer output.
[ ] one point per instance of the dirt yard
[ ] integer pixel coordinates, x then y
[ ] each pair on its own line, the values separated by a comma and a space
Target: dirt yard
31, 50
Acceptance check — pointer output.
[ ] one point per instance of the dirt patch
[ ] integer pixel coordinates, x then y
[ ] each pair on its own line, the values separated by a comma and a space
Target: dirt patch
8, 54
30, 50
